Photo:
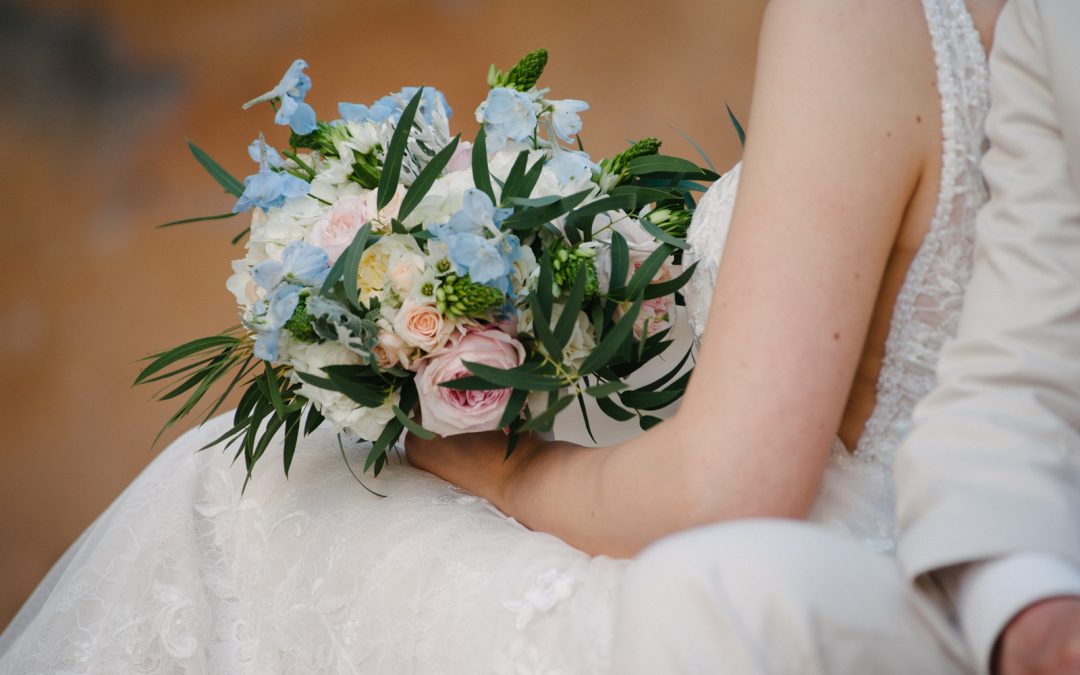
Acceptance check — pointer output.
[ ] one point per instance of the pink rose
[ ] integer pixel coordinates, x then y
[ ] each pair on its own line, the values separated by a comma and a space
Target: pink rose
658, 314
422, 325
461, 159
388, 212
335, 230
449, 411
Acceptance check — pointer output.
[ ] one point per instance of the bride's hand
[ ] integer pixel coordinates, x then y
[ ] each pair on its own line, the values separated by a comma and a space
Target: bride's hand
474, 462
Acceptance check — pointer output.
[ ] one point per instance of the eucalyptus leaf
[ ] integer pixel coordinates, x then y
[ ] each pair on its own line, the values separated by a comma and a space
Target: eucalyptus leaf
225, 179
544, 420
395, 152
612, 410
412, 426
525, 377
197, 219
659, 290
611, 343
481, 173
427, 178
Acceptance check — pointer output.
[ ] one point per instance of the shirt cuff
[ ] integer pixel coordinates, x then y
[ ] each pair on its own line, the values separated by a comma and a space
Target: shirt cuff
989, 594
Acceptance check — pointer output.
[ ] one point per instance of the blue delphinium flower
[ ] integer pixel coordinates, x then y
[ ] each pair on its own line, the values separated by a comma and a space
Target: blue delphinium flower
269, 189
507, 115
487, 260
301, 263
565, 121
570, 166
290, 93
270, 317
389, 107
261, 151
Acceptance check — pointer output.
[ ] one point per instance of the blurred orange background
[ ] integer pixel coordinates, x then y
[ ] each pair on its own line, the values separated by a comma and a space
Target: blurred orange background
98, 99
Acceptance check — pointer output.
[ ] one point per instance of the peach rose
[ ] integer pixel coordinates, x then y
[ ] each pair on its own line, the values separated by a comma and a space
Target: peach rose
449, 411
391, 351
421, 324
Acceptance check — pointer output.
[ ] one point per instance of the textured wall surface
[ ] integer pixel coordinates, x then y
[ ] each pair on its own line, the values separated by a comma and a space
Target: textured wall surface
99, 97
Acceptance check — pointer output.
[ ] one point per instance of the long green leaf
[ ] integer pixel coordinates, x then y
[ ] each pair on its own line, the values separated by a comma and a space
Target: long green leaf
223, 177
654, 229
696, 147
395, 152
523, 377
514, 404
669, 166
620, 263
670, 286
605, 389
612, 342
274, 389
514, 177
738, 127
544, 420
530, 218
645, 195
585, 417
412, 426
481, 173
427, 178
351, 265
197, 219
292, 435
644, 274
164, 359
650, 400
564, 327
612, 410
542, 328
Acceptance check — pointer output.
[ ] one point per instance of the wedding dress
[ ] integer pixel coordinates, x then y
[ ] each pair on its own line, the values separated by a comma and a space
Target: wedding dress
312, 574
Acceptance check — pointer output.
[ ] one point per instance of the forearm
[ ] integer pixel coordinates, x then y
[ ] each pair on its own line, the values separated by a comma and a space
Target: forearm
611, 500
616, 500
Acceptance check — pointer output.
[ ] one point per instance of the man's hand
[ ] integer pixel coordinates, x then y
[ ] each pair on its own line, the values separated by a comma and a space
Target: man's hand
1044, 639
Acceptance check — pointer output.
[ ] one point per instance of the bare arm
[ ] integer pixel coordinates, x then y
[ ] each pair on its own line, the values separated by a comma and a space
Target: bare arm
833, 158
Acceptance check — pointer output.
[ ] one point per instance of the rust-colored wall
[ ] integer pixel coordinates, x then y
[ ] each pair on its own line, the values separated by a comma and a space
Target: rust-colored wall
98, 98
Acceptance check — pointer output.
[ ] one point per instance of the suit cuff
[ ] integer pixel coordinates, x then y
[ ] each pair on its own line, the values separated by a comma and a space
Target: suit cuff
989, 594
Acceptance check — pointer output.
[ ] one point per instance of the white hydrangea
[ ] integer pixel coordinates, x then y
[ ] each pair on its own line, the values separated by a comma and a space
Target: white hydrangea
343, 412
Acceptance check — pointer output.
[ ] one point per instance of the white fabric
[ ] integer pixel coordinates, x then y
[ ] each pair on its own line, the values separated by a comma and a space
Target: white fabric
776, 597
992, 468
313, 574
990, 594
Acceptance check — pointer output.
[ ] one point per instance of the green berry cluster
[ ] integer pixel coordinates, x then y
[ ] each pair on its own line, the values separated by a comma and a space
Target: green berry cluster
620, 163
566, 262
461, 296
524, 75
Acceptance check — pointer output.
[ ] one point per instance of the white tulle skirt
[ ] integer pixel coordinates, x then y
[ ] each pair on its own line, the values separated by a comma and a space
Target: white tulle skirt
314, 574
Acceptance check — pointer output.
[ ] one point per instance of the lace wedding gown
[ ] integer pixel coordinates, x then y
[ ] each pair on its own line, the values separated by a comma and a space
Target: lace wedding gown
314, 575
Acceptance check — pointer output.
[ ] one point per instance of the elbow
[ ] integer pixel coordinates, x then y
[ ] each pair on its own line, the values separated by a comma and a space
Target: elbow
728, 484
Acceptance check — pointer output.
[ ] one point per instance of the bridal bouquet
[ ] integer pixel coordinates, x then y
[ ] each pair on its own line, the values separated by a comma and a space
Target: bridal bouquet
393, 269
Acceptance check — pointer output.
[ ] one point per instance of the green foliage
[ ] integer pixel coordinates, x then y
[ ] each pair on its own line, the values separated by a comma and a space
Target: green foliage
395, 154
299, 324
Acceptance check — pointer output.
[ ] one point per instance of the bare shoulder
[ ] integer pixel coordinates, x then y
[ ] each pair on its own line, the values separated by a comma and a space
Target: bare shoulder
862, 70
881, 39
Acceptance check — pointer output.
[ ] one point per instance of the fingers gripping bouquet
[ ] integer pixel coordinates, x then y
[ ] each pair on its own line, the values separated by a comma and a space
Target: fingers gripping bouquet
393, 269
